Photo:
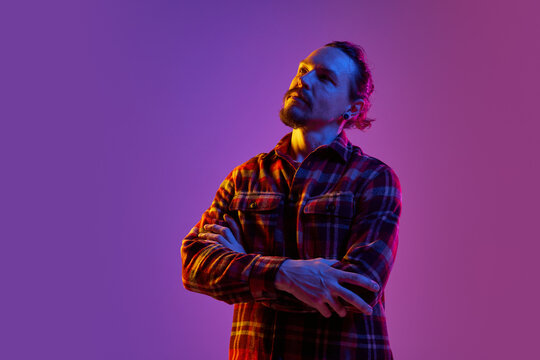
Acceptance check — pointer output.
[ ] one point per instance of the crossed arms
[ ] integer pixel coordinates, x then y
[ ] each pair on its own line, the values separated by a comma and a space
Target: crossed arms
214, 263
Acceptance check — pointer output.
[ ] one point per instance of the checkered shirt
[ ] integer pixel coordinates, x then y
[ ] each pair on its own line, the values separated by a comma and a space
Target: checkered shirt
339, 203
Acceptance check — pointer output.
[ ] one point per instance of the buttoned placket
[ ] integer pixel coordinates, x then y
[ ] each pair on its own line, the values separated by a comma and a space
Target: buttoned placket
296, 198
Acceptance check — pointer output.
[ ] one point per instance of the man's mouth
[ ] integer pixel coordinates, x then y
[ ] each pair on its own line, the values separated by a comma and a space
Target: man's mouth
297, 96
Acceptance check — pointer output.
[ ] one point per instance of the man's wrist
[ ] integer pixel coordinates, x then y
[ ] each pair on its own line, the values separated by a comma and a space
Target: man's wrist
262, 276
280, 281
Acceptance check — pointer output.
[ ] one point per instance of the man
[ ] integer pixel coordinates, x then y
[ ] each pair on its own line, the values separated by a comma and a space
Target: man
302, 239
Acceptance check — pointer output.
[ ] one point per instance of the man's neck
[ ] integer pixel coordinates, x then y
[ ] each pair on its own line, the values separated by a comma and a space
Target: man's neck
304, 141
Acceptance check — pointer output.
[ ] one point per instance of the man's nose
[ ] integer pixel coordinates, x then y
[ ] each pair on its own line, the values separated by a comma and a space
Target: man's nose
306, 79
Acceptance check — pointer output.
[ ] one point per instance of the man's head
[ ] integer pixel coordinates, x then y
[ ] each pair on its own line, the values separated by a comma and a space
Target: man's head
332, 84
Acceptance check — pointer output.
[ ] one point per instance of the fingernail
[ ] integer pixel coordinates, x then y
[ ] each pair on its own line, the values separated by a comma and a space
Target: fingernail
376, 286
205, 226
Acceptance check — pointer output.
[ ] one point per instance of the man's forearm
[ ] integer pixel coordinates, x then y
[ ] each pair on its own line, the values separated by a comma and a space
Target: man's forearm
212, 269
296, 285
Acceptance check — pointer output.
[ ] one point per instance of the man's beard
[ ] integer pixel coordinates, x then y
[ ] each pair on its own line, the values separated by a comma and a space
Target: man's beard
290, 117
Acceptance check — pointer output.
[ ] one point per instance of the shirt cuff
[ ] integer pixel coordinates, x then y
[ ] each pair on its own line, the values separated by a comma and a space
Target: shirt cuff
263, 276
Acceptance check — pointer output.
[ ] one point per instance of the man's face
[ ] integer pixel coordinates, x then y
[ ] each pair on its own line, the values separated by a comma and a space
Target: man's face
319, 93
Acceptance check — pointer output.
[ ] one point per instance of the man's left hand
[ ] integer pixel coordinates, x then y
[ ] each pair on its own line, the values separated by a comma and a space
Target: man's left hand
228, 237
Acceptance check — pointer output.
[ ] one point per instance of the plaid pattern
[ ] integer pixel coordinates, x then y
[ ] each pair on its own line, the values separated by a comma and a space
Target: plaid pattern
339, 203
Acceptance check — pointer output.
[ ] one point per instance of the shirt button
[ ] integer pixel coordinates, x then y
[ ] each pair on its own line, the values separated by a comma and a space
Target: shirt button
253, 205
330, 207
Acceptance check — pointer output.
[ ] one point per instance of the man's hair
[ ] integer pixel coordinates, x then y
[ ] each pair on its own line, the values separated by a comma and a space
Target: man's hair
361, 86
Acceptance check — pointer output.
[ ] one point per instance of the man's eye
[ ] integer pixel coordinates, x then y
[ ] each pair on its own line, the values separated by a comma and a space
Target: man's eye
324, 77
302, 70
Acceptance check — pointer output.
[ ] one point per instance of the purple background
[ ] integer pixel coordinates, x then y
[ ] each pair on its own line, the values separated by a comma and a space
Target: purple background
121, 118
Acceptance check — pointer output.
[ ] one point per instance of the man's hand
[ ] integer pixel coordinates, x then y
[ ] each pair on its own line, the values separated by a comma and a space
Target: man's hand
228, 237
317, 284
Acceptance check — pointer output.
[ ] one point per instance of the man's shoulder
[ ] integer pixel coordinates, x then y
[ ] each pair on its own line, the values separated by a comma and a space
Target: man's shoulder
372, 166
253, 164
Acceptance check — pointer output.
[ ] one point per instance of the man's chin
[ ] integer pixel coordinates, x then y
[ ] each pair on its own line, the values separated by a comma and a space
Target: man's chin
291, 120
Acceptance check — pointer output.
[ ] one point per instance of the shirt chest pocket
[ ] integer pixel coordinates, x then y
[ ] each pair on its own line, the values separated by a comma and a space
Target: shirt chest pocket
258, 213
326, 222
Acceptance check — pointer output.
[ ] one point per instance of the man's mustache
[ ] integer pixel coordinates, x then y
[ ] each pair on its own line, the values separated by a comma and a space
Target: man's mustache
301, 95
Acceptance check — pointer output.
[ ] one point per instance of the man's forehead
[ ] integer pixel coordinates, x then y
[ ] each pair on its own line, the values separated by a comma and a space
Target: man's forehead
332, 59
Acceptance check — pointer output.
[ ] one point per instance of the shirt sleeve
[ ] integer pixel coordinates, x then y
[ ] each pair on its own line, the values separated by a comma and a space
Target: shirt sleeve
373, 243
212, 269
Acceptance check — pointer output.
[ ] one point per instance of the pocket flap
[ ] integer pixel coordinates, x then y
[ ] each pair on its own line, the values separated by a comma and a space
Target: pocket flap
337, 204
255, 201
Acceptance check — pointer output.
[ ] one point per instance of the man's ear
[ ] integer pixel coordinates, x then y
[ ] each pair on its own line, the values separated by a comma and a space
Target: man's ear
356, 107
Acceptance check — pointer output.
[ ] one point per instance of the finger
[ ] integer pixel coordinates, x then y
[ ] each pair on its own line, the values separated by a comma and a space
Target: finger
234, 226
316, 303
193, 231
354, 300
337, 306
214, 237
215, 228
322, 308
357, 279
223, 231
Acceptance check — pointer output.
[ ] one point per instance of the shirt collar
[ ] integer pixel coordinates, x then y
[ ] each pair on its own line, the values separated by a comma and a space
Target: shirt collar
341, 145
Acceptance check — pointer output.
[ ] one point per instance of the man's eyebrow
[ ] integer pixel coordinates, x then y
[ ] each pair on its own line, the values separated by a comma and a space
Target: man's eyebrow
325, 69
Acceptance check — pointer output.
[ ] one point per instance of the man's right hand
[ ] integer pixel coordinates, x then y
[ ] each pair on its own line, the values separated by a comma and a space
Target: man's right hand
317, 284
